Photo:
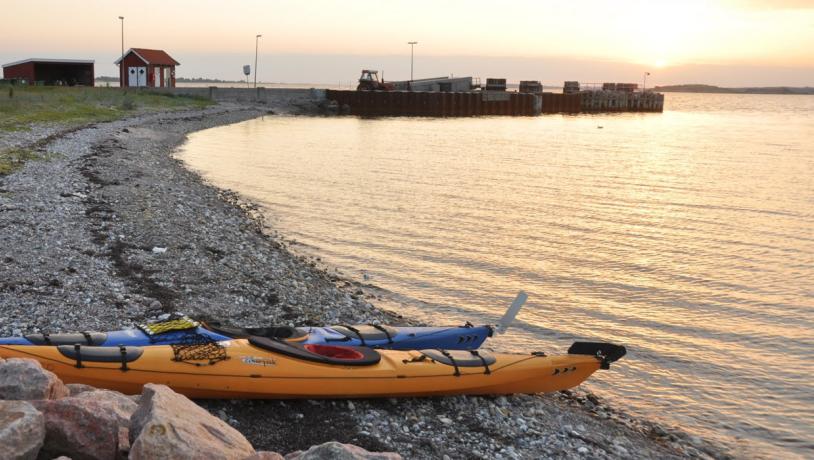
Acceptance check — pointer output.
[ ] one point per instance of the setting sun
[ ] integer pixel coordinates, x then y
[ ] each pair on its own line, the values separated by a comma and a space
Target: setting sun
623, 37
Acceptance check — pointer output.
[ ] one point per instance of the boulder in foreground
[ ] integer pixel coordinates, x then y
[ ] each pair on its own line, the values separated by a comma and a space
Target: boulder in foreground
265, 455
25, 379
338, 451
167, 425
79, 388
116, 403
81, 428
22, 430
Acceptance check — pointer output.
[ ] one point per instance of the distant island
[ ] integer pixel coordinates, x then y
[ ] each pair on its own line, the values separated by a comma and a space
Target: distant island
179, 80
695, 88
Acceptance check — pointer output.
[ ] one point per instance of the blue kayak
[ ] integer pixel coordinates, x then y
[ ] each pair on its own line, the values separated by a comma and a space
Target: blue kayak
181, 330
186, 331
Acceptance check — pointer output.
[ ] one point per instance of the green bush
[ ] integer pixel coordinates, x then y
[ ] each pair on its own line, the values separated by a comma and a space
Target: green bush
79, 105
12, 159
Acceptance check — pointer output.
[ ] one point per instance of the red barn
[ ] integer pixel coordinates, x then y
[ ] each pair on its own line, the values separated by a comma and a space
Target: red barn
69, 72
143, 67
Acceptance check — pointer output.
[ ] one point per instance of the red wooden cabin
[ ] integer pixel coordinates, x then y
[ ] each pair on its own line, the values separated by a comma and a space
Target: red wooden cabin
140, 67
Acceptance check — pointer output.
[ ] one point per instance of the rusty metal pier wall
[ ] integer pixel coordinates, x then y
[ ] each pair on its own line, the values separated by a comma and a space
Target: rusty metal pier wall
489, 103
435, 104
561, 103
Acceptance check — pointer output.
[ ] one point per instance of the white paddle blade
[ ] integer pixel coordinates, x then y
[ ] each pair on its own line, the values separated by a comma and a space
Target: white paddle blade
511, 313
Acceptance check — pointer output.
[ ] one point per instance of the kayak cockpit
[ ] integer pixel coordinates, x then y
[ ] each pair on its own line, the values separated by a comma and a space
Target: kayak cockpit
274, 332
324, 354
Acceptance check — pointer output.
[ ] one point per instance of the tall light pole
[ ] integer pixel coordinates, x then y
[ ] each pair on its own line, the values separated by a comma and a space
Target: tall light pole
412, 55
644, 81
256, 45
122, 19
121, 73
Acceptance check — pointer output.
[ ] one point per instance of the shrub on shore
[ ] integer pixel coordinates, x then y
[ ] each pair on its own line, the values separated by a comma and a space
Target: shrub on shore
74, 106
12, 159
77, 105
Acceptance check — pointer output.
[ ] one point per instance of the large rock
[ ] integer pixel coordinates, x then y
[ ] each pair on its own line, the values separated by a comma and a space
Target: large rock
265, 455
77, 388
84, 428
338, 451
167, 425
25, 379
22, 430
118, 404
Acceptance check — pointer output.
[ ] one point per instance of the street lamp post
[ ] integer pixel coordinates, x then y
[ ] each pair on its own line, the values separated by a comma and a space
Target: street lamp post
256, 45
121, 74
644, 81
122, 19
412, 55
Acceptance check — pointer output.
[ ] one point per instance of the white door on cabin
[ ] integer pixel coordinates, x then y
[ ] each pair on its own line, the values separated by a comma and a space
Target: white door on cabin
157, 77
137, 76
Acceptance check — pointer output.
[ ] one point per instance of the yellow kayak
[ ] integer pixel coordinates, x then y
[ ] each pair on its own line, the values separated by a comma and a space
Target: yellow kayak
266, 368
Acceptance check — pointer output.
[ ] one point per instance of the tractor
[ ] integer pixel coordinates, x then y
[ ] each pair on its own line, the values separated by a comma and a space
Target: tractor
369, 81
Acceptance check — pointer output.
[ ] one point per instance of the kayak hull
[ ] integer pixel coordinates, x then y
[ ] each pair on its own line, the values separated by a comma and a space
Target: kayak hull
251, 372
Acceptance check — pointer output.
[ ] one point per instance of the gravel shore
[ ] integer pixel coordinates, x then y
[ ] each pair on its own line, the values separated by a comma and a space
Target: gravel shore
111, 230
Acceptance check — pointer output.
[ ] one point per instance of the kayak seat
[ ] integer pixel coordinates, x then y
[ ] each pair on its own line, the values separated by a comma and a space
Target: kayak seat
367, 332
325, 354
274, 332
86, 338
462, 358
101, 354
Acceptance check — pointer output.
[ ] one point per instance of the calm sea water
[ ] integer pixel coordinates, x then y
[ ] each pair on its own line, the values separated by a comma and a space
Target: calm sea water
687, 236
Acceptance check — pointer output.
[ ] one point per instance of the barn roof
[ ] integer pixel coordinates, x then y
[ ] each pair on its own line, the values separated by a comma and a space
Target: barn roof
51, 61
155, 57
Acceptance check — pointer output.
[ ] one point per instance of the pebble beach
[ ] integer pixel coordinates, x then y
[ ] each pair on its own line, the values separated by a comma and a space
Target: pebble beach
109, 230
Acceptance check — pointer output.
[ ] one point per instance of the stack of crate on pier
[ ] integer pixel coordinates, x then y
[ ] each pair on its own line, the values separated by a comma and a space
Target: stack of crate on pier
621, 101
603, 101
647, 101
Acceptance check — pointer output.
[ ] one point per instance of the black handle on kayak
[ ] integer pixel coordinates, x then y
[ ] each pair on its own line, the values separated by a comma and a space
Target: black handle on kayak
606, 352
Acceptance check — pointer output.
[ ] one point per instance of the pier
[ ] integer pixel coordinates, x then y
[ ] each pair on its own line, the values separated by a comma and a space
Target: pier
490, 103
440, 103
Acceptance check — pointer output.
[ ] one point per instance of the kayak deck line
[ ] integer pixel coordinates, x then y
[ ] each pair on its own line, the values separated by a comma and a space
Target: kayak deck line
85, 364
464, 337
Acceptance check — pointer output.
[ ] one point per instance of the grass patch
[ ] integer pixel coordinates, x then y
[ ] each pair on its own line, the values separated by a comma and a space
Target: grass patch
20, 106
13, 159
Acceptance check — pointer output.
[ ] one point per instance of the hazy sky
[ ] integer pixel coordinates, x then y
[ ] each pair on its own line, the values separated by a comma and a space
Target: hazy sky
725, 42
